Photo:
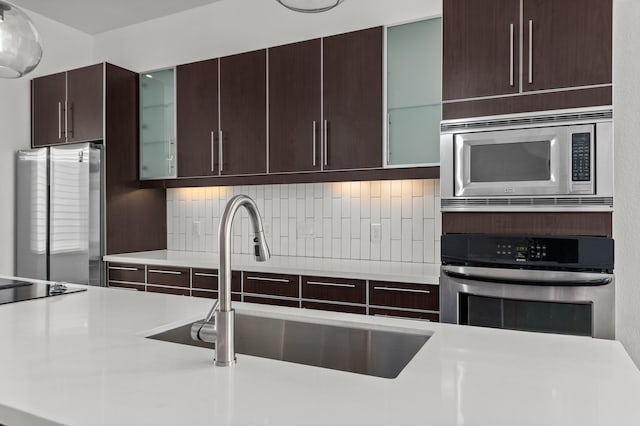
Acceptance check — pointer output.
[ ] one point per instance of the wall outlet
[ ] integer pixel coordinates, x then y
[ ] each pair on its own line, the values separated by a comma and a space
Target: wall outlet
376, 232
197, 228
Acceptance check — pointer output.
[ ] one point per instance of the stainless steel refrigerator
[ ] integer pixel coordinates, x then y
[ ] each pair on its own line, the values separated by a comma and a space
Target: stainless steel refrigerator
59, 223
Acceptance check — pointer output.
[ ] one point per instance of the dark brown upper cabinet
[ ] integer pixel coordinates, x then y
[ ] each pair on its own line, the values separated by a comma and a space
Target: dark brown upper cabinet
480, 52
568, 43
295, 107
352, 99
556, 52
197, 118
243, 114
68, 107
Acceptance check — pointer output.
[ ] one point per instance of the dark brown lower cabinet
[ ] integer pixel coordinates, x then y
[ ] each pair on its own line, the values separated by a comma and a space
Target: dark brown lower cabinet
207, 279
126, 272
271, 284
272, 301
334, 289
404, 295
235, 297
176, 277
168, 290
399, 313
128, 286
351, 309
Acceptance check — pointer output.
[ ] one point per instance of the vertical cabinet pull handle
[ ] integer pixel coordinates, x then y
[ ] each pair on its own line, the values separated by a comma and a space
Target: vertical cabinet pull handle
530, 51
66, 119
221, 158
511, 55
212, 168
326, 141
59, 120
314, 143
388, 137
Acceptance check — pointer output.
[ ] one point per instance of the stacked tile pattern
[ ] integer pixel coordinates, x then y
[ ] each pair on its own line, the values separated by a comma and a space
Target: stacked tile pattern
327, 220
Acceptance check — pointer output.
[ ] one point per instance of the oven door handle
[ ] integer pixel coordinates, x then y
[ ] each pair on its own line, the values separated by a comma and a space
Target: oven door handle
527, 276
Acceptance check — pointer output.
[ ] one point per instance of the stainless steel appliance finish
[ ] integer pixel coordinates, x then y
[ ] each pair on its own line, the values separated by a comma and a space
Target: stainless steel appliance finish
375, 352
559, 161
59, 225
556, 284
18, 291
222, 329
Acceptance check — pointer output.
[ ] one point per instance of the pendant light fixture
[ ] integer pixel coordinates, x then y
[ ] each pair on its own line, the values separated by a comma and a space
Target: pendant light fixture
20, 49
309, 6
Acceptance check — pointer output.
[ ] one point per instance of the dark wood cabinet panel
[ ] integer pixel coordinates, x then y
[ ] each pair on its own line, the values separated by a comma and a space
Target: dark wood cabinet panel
126, 272
480, 53
587, 223
85, 104
404, 295
352, 98
294, 107
48, 95
127, 286
336, 289
135, 218
208, 279
272, 301
271, 284
571, 43
197, 118
168, 276
235, 297
168, 290
350, 309
404, 314
243, 114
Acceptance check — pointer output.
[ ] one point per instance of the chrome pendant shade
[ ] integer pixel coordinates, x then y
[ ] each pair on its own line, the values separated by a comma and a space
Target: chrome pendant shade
309, 6
20, 48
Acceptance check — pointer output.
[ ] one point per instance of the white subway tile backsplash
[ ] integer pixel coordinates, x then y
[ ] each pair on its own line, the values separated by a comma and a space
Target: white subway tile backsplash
330, 220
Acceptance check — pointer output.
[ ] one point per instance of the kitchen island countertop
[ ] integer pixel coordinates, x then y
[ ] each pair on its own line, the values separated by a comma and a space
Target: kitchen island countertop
83, 359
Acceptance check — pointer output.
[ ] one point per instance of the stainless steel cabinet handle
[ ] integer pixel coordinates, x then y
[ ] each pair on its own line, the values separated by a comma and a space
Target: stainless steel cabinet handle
212, 150
399, 317
220, 157
69, 119
204, 274
511, 55
274, 280
123, 268
402, 290
530, 51
66, 119
388, 137
59, 120
314, 143
331, 284
326, 141
157, 271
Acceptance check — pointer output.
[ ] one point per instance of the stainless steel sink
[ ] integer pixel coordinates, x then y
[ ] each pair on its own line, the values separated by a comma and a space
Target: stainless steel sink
376, 352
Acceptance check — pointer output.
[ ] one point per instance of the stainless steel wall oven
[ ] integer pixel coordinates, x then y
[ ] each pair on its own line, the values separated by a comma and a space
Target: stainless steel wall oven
531, 283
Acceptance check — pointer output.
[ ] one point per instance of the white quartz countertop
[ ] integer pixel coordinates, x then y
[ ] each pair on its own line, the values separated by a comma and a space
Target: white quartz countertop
83, 359
420, 273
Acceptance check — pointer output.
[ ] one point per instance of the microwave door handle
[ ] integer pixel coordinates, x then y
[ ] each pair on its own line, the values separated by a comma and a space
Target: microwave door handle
527, 277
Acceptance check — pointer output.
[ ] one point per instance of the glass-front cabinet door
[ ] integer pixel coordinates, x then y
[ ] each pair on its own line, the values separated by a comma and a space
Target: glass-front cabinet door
414, 94
157, 125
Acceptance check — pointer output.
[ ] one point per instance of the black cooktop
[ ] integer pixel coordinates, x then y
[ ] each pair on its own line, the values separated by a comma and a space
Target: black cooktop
18, 291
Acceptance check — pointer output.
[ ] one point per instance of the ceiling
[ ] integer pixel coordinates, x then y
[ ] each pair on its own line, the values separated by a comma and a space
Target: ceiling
97, 16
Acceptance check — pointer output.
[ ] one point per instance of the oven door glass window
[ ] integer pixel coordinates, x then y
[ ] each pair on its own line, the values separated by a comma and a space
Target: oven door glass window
525, 315
511, 162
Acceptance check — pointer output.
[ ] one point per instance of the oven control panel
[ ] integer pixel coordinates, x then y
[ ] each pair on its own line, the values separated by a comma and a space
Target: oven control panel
522, 251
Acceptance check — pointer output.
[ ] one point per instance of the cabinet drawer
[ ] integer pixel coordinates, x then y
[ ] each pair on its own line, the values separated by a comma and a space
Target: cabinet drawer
178, 277
236, 297
208, 279
270, 301
128, 286
337, 289
126, 272
168, 290
334, 307
398, 313
271, 284
404, 295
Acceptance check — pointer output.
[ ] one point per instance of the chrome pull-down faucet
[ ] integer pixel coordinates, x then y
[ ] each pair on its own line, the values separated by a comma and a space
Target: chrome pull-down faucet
221, 330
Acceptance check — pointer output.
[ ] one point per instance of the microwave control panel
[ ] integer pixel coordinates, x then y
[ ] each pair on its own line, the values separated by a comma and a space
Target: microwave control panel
581, 157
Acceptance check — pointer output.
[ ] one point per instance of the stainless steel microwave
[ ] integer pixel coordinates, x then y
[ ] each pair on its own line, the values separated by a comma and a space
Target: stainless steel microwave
560, 161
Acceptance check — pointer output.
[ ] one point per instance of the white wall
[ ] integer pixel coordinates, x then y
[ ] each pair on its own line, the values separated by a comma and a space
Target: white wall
64, 48
233, 26
626, 219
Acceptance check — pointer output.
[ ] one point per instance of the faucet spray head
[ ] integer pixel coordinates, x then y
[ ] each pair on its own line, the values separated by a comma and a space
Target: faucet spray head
261, 249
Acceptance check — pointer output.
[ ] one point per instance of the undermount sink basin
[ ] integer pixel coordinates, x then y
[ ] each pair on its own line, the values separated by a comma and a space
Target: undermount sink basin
379, 352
